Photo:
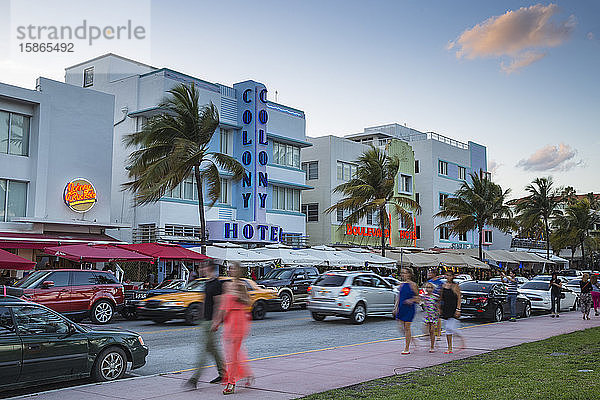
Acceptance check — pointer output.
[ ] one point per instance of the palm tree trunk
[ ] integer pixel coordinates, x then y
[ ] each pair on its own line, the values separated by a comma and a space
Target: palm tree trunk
480, 244
547, 239
583, 253
382, 217
201, 209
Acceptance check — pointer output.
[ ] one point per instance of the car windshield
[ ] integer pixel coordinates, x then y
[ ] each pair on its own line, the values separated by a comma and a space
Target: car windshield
172, 285
32, 279
279, 274
472, 286
496, 279
536, 285
542, 278
330, 280
195, 286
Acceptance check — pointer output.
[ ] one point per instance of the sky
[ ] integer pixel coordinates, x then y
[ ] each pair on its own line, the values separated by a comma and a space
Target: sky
518, 77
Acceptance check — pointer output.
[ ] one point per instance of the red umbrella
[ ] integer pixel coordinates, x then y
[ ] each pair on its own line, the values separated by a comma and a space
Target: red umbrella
95, 253
165, 251
12, 261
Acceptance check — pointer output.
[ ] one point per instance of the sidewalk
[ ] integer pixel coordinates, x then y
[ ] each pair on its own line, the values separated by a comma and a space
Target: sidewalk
292, 376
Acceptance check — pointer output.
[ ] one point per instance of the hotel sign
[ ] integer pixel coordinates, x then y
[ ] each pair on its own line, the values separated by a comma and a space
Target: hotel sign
80, 195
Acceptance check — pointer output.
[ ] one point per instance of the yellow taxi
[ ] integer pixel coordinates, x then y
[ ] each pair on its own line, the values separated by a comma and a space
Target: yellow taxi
188, 304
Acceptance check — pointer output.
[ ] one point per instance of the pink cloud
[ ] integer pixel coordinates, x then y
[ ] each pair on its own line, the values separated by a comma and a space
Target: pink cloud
551, 158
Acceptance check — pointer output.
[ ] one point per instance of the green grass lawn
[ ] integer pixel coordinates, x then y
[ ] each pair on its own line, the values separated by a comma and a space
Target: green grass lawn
527, 371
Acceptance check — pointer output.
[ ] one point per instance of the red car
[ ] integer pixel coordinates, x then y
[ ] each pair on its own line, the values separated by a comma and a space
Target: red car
76, 293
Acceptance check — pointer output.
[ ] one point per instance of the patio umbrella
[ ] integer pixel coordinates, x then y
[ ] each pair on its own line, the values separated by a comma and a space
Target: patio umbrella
333, 257
289, 256
228, 252
370, 259
12, 261
95, 253
165, 251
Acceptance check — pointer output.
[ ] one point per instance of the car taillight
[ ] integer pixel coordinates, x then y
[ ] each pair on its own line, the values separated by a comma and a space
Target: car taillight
309, 289
345, 291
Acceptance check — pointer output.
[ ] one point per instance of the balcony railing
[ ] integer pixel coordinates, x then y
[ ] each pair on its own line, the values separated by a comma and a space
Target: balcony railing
524, 243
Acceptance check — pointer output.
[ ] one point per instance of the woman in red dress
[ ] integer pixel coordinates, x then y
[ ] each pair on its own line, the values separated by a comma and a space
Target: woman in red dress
235, 317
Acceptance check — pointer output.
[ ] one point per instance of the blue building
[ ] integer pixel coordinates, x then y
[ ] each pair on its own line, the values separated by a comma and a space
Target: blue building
266, 137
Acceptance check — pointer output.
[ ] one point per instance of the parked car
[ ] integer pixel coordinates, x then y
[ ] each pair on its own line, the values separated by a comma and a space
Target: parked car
40, 346
188, 304
520, 280
392, 281
352, 294
546, 278
291, 284
538, 292
570, 273
76, 293
489, 300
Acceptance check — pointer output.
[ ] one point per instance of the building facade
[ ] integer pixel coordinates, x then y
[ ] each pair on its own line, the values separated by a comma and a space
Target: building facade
330, 162
55, 150
264, 136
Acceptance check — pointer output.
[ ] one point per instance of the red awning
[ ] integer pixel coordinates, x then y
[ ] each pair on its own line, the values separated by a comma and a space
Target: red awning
165, 251
12, 261
95, 253
14, 240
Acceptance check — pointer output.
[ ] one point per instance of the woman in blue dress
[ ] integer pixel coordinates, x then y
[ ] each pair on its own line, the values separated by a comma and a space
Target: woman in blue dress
404, 310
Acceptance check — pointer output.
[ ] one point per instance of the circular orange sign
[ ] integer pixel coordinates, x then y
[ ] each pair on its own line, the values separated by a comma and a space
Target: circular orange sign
80, 195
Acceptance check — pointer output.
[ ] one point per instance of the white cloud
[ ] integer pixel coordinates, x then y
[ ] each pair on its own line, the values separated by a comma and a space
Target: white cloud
590, 35
551, 158
493, 167
519, 36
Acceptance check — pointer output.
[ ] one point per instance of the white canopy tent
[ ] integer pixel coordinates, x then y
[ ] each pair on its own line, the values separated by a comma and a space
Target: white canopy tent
288, 256
370, 259
333, 258
228, 252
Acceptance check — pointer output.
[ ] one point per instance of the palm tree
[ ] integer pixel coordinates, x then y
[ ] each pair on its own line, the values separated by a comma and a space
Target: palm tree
372, 190
578, 220
539, 207
173, 145
476, 205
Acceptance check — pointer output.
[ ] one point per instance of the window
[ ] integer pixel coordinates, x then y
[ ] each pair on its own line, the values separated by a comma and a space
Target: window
346, 171
185, 190
178, 230
416, 166
418, 231
286, 199
487, 237
286, 154
462, 237
340, 215
362, 280
369, 218
443, 197
311, 211
225, 195
60, 279
403, 223
405, 183
34, 320
462, 173
83, 278
88, 77
417, 198
14, 134
378, 282
311, 169
485, 175
442, 167
6, 322
13, 199
444, 233
226, 137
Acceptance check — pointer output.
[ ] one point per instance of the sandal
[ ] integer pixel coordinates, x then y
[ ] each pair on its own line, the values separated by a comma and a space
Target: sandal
229, 389
448, 352
431, 350
405, 352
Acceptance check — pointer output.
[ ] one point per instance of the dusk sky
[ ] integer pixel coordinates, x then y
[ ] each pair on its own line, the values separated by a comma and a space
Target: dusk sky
518, 77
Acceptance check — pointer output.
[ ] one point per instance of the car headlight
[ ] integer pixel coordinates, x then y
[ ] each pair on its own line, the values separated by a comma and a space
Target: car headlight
141, 340
173, 304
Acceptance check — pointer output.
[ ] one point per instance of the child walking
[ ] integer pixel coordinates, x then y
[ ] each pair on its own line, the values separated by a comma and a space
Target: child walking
430, 301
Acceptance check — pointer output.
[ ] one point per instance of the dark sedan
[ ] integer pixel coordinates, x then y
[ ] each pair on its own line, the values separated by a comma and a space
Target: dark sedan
40, 346
489, 300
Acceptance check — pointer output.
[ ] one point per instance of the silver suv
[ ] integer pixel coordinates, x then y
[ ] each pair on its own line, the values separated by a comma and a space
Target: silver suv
351, 294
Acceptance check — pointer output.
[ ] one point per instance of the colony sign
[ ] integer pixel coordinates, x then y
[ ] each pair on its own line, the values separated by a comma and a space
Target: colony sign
80, 195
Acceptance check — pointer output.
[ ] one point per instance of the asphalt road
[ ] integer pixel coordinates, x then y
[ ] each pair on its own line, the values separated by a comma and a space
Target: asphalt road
173, 345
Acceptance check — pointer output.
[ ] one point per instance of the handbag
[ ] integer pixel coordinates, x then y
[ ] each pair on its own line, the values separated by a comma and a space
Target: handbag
562, 295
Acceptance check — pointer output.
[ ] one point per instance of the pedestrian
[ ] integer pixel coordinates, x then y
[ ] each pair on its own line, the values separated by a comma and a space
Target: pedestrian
555, 295
435, 278
234, 316
595, 293
430, 301
511, 288
585, 298
404, 309
450, 300
213, 289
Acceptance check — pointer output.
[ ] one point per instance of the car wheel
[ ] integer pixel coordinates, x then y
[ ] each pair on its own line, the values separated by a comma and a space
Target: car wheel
193, 313
102, 312
111, 364
498, 314
259, 311
286, 301
359, 314
318, 317
130, 315
527, 311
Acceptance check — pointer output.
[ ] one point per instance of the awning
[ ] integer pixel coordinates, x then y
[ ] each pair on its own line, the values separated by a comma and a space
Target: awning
370, 259
15, 240
288, 256
229, 252
12, 261
526, 257
433, 260
95, 253
165, 251
334, 258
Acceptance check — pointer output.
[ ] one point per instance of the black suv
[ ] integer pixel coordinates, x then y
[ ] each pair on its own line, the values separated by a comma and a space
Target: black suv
291, 283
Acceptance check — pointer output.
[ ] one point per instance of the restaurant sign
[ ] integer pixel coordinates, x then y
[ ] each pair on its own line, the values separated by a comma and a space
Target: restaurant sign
80, 195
